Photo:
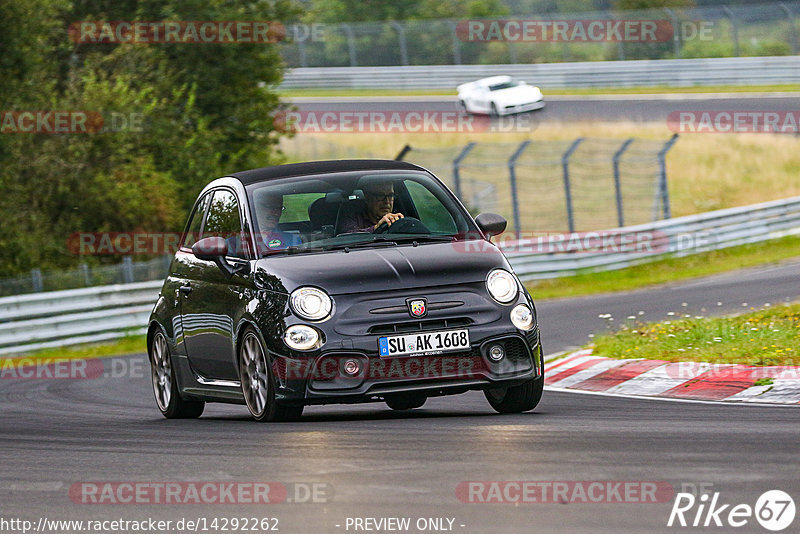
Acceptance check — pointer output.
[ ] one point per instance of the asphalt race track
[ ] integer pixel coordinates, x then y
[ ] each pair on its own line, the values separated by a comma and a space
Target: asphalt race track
644, 108
369, 462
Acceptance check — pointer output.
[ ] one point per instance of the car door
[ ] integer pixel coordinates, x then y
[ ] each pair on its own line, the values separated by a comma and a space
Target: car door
211, 301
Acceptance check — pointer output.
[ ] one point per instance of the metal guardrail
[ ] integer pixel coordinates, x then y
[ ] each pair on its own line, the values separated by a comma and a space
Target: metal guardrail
62, 318
528, 35
668, 72
566, 254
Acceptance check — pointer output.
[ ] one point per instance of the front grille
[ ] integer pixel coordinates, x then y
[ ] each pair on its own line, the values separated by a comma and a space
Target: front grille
417, 326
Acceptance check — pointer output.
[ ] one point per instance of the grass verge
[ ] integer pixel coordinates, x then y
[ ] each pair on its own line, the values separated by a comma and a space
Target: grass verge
668, 270
551, 92
135, 344
770, 336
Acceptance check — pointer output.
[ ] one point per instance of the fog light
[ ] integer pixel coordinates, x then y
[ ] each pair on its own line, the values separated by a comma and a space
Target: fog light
496, 353
302, 337
351, 367
522, 317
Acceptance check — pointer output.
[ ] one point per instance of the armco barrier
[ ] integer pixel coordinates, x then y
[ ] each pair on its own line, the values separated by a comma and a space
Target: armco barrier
652, 72
680, 236
62, 318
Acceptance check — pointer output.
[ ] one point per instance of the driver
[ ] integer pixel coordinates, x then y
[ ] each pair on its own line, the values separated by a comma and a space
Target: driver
379, 198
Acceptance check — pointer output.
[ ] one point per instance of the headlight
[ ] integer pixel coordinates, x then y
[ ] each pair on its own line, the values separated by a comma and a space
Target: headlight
522, 317
301, 337
502, 286
310, 303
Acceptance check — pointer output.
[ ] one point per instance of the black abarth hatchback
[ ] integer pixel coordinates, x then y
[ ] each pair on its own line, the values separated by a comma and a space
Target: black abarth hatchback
340, 282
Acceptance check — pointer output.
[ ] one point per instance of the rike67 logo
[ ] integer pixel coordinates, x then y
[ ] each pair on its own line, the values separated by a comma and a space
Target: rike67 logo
774, 510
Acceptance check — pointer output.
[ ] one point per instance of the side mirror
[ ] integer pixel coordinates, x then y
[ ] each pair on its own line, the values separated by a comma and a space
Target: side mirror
210, 248
491, 224
215, 249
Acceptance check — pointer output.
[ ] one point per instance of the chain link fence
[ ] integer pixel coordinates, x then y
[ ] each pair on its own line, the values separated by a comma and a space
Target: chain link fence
126, 272
574, 185
768, 29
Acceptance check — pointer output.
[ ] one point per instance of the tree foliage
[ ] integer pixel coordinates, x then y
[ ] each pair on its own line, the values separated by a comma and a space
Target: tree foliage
175, 116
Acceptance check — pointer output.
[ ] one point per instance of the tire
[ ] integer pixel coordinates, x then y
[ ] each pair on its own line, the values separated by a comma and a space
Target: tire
258, 383
406, 401
165, 386
493, 111
516, 399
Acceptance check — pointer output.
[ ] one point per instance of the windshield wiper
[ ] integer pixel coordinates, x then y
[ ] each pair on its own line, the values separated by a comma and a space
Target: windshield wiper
377, 242
290, 250
425, 238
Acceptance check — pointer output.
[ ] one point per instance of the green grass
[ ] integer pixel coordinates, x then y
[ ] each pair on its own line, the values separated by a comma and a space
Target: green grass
551, 92
134, 344
668, 270
770, 336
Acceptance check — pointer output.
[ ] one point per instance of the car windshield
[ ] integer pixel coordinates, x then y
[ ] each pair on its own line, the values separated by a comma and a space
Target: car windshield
341, 210
504, 85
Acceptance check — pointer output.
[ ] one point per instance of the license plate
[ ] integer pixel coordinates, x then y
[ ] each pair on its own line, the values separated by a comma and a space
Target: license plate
424, 343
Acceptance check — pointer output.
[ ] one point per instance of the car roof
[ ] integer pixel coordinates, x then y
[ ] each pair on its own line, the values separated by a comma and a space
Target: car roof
321, 167
494, 80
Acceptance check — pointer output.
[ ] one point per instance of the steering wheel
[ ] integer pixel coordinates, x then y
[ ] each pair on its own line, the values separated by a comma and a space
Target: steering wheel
406, 225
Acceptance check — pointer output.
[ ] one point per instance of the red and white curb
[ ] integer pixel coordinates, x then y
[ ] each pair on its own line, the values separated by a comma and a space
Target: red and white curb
683, 380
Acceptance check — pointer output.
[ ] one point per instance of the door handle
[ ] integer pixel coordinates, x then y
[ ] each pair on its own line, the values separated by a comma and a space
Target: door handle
185, 289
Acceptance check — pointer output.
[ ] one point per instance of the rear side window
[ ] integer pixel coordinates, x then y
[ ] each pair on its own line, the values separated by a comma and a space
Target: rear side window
195, 223
223, 220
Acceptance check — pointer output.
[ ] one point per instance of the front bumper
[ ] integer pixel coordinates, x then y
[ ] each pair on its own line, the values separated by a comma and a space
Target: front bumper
522, 108
323, 378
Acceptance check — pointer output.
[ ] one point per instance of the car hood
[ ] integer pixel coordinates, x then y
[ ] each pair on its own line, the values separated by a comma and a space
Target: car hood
520, 93
382, 268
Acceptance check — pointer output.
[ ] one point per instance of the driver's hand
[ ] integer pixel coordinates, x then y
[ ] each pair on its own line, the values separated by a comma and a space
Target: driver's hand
389, 218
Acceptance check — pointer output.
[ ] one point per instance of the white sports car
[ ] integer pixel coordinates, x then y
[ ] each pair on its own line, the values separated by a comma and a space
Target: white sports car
499, 95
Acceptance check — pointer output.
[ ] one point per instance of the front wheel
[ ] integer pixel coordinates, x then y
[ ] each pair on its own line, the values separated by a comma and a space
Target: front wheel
516, 399
258, 384
165, 387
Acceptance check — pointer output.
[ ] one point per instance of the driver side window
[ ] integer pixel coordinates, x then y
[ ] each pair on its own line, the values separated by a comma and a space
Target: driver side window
431, 211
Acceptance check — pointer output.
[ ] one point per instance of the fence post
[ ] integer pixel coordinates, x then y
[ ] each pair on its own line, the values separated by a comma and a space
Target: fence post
405, 150
662, 175
87, 279
457, 163
512, 174
36, 279
351, 43
734, 29
456, 43
567, 191
127, 270
401, 38
792, 29
676, 32
617, 182
301, 52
